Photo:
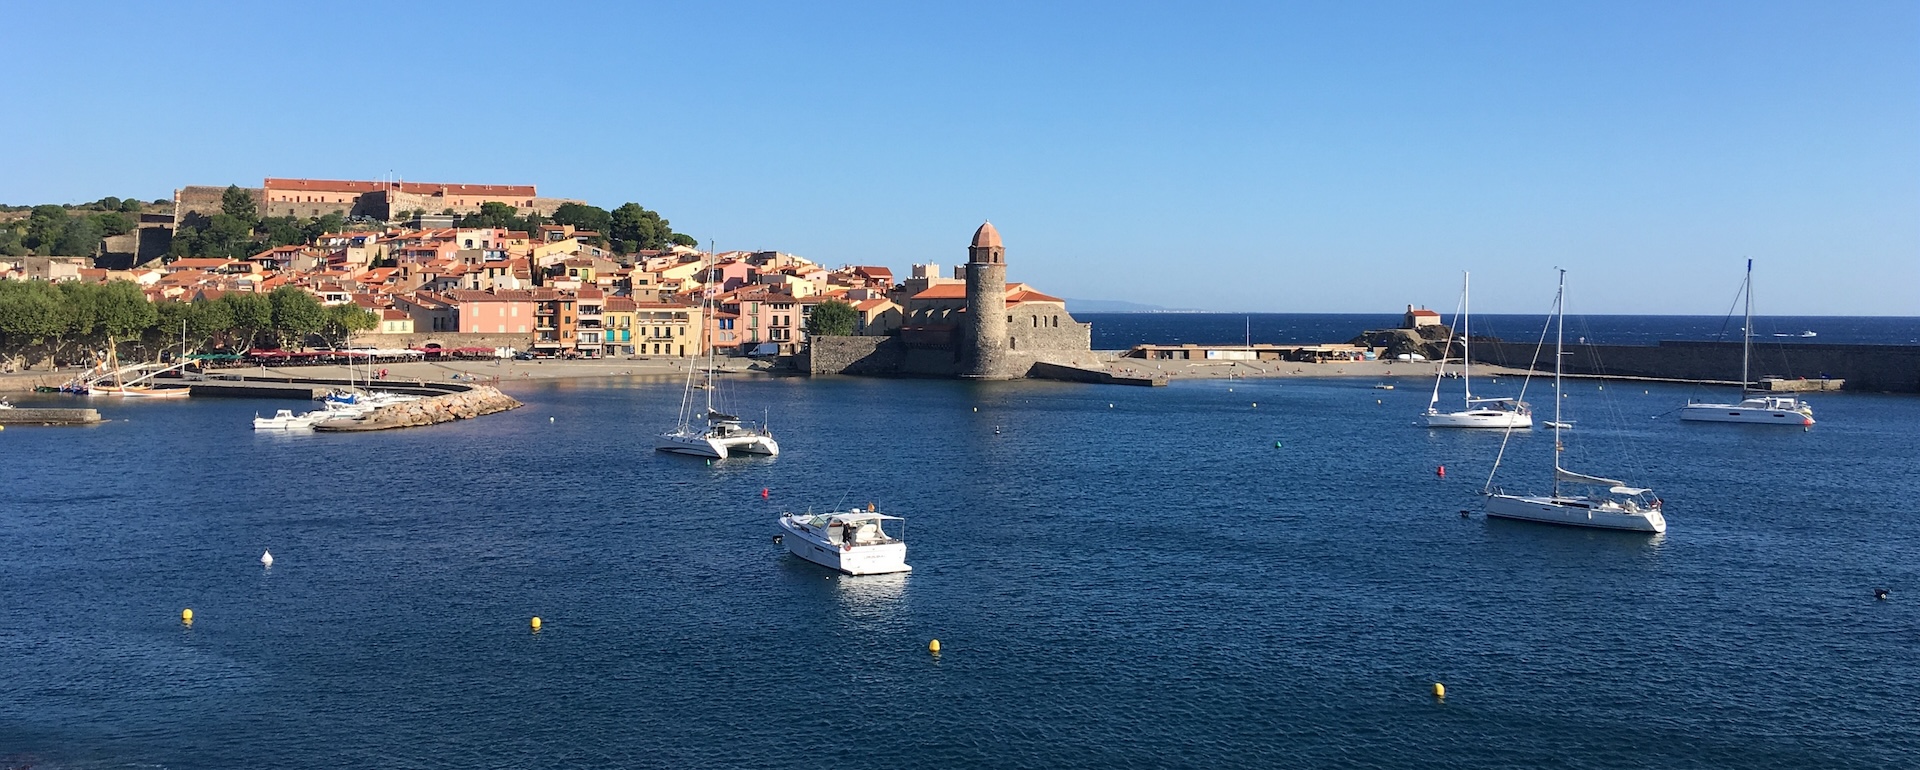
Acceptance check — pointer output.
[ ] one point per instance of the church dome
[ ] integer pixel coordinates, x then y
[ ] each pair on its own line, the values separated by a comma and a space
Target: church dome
986, 237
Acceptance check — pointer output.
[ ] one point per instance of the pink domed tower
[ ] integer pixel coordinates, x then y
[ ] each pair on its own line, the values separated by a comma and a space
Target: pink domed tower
986, 343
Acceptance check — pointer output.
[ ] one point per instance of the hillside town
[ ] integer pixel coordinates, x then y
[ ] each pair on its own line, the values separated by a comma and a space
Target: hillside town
549, 290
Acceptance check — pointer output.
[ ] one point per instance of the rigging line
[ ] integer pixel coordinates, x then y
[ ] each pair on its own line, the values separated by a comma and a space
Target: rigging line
1507, 435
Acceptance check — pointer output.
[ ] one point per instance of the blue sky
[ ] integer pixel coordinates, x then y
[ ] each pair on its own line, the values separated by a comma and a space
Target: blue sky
1288, 157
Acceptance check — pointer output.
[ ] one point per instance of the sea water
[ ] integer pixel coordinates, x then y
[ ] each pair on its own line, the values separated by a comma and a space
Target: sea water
1264, 573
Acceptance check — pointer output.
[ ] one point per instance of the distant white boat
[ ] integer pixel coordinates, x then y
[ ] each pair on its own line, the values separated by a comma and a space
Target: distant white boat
1620, 507
854, 542
1477, 412
1809, 333
285, 419
1763, 409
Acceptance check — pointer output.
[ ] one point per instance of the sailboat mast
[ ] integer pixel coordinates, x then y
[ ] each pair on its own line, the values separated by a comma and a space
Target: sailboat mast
1746, 332
1466, 336
706, 308
1559, 348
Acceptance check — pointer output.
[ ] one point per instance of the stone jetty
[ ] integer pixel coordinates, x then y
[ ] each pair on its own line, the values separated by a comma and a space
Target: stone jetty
481, 400
26, 416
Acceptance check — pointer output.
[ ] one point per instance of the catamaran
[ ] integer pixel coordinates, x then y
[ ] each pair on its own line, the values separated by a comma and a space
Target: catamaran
1478, 412
1610, 505
1765, 409
722, 434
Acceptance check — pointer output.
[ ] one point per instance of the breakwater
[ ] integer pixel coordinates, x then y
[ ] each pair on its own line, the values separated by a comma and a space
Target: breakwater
466, 405
24, 416
1879, 368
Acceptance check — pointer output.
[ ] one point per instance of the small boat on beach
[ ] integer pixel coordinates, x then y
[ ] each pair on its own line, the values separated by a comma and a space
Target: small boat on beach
854, 542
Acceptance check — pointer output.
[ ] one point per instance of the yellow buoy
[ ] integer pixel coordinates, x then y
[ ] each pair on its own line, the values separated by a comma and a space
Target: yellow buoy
536, 622
1256, 405
186, 616
976, 409
1439, 690
934, 647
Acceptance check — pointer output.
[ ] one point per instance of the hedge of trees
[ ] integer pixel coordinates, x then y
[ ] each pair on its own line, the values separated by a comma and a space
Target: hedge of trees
68, 231
626, 229
70, 322
239, 230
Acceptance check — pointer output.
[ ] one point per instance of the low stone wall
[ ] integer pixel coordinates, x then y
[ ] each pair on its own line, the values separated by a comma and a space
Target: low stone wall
26, 416
873, 356
473, 403
1884, 368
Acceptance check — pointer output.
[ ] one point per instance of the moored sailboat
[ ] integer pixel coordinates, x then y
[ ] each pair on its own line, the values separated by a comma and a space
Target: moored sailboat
1477, 412
1755, 408
1606, 503
722, 435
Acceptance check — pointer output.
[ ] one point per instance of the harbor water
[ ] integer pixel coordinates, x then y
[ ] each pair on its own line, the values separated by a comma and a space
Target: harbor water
1251, 573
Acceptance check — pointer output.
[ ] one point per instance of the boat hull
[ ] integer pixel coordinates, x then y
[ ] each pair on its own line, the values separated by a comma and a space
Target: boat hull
1572, 513
876, 559
693, 446
1744, 414
1479, 418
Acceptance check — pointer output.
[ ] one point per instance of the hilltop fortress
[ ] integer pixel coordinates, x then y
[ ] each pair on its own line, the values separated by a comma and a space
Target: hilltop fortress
990, 330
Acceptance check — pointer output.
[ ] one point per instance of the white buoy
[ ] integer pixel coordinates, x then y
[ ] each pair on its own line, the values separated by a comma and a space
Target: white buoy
266, 559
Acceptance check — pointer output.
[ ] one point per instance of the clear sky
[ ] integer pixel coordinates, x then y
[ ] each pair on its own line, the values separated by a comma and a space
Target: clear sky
1288, 157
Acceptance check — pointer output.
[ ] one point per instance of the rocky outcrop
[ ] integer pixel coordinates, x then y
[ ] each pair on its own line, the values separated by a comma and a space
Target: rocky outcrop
1427, 341
479, 401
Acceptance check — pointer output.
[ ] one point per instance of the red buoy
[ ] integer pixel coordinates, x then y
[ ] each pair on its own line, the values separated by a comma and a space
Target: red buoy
1442, 472
763, 493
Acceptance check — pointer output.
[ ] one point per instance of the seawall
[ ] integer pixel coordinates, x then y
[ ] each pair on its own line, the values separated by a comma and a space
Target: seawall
1880, 368
28, 416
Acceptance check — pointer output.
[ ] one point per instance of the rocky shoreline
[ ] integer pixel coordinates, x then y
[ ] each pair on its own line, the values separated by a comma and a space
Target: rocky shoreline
479, 401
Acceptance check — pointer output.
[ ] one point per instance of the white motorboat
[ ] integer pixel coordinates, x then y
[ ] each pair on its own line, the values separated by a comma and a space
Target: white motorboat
1478, 412
285, 419
1762, 409
855, 542
1611, 505
723, 435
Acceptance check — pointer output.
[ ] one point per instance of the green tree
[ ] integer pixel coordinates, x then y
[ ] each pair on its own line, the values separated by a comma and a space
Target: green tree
113, 223
282, 231
252, 314
34, 318
80, 238
330, 223
211, 320
122, 311
44, 226
236, 203
130, 206
831, 318
344, 320
296, 315
227, 236
682, 239
584, 217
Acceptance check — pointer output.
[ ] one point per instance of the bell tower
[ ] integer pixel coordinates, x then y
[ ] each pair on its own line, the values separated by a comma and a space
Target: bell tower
986, 343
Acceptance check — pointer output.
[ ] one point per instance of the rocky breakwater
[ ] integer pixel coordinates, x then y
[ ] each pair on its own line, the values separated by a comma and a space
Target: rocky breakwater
427, 411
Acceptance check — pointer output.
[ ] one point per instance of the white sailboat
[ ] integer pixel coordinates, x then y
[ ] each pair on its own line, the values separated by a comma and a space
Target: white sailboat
1610, 505
1477, 412
722, 434
1759, 408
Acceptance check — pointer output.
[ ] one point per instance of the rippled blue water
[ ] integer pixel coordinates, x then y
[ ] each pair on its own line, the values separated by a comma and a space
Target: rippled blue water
1120, 577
